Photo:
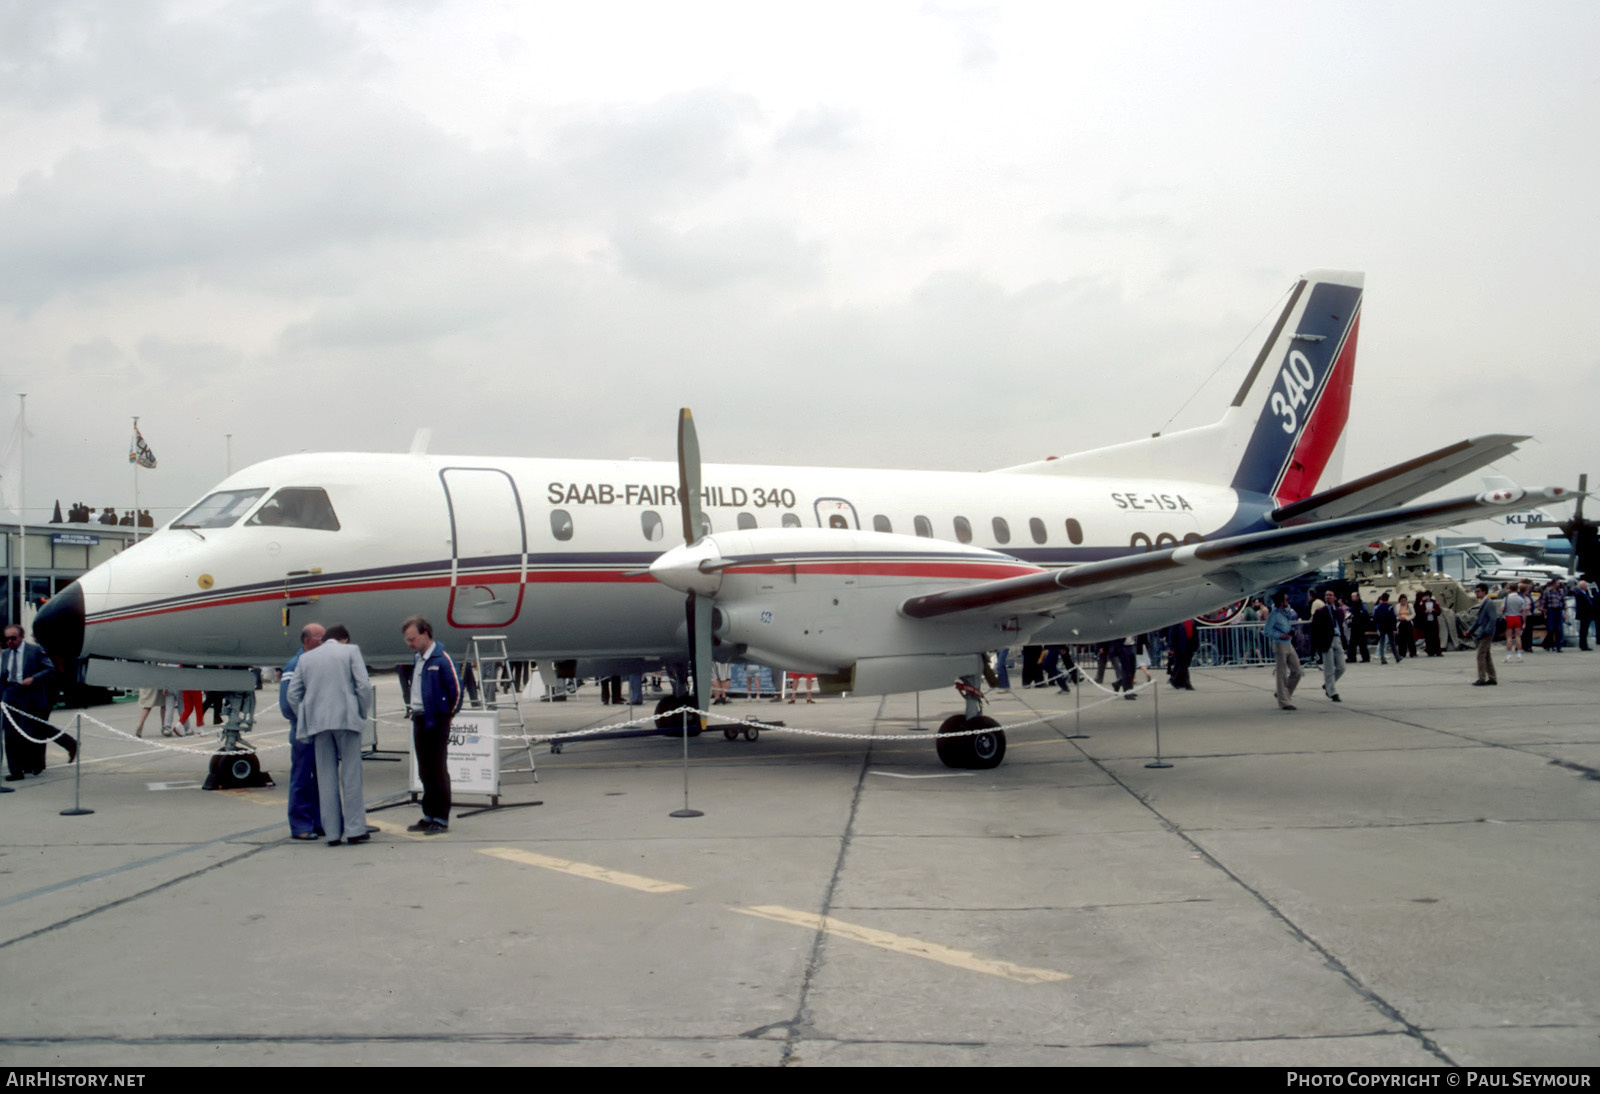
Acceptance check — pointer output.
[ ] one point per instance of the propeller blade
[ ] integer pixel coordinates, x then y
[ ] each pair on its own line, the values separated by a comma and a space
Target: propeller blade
689, 475
700, 609
697, 608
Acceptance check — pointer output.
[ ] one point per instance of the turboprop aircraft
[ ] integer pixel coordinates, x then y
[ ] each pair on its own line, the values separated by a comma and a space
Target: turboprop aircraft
879, 581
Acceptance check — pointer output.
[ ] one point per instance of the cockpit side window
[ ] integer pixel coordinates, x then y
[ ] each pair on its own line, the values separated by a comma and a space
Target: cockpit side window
219, 510
298, 507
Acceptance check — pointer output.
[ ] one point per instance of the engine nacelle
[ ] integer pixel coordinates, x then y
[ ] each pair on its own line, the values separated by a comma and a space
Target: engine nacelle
827, 601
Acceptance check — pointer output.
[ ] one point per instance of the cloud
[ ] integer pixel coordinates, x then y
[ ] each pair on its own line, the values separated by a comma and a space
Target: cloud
162, 64
828, 128
716, 256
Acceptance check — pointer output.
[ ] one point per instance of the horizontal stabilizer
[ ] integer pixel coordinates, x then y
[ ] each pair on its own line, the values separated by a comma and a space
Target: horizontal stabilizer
1240, 563
1401, 483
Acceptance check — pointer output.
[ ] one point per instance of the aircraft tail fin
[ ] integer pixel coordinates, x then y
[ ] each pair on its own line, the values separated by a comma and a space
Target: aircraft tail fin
1281, 436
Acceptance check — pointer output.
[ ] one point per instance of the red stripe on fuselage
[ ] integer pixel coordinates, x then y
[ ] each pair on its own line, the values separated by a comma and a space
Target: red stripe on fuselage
1314, 447
956, 571
951, 570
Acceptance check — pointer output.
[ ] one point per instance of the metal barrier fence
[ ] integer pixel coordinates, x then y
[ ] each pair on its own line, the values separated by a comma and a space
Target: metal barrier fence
1235, 645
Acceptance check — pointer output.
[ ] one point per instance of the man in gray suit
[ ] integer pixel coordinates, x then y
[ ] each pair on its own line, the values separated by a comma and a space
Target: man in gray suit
331, 696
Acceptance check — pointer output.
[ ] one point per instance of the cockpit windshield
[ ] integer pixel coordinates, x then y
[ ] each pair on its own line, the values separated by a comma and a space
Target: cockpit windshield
298, 507
219, 510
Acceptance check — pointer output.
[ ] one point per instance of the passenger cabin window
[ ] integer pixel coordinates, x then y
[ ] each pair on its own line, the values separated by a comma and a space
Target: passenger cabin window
924, 527
746, 521
650, 521
791, 520
298, 507
1074, 531
219, 510
561, 524
836, 520
880, 523
1002, 530
705, 524
963, 530
1036, 528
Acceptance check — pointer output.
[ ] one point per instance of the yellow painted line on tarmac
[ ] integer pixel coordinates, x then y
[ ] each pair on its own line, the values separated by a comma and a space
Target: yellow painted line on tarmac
912, 947
389, 828
254, 796
584, 869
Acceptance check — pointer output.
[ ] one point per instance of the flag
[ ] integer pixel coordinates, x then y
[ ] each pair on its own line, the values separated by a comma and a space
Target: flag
139, 452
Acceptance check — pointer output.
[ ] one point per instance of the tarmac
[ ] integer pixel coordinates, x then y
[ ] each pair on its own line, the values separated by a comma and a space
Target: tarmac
1406, 878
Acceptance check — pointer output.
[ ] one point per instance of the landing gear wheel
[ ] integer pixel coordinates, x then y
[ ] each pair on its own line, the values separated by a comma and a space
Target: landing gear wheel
236, 771
674, 724
974, 750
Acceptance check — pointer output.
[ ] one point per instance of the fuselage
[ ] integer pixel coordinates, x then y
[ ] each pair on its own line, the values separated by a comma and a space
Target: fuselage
553, 554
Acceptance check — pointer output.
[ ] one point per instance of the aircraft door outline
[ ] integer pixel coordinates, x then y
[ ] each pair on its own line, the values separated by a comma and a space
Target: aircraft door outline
488, 547
835, 513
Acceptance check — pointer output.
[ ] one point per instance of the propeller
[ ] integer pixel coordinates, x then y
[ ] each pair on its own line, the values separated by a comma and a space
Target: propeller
1581, 534
698, 607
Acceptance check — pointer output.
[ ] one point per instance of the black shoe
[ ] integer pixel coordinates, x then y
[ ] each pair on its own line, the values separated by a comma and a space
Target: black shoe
362, 838
1336, 699
333, 843
18, 777
1288, 706
71, 745
435, 828
1480, 683
420, 826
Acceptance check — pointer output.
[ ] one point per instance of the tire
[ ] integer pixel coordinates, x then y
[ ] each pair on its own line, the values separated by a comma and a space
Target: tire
231, 772
730, 733
673, 725
979, 751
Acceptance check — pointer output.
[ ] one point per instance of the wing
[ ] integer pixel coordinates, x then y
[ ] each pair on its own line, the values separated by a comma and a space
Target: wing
1236, 565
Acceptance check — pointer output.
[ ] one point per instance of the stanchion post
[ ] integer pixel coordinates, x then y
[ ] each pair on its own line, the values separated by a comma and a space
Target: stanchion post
77, 809
686, 811
1155, 694
1077, 733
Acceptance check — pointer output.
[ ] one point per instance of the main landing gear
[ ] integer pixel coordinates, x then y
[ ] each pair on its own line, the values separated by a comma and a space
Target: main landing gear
674, 724
236, 765
959, 745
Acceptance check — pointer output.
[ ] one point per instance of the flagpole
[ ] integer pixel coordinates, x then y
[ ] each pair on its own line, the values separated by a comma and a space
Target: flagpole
136, 486
22, 507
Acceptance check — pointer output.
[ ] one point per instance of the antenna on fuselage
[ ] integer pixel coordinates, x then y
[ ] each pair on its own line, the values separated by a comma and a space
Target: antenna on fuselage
419, 441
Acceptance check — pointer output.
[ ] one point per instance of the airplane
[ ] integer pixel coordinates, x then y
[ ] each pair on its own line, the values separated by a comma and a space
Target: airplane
880, 581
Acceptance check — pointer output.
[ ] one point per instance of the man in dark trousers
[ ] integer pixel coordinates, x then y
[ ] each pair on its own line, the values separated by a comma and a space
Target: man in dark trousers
305, 810
1586, 607
433, 698
1183, 638
25, 671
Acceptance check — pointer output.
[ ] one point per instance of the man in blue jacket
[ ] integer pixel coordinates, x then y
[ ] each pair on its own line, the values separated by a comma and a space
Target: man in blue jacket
1286, 663
433, 698
305, 812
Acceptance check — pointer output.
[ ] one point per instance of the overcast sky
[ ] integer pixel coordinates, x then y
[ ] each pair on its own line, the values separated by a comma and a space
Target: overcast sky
881, 234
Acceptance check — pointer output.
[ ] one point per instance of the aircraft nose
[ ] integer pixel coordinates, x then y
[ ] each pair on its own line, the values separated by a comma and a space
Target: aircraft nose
59, 626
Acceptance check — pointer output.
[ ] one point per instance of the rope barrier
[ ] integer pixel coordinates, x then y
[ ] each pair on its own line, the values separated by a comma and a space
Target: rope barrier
198, 737
713, 719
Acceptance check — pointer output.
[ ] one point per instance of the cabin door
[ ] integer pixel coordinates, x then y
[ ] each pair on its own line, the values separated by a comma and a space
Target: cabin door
489, 547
